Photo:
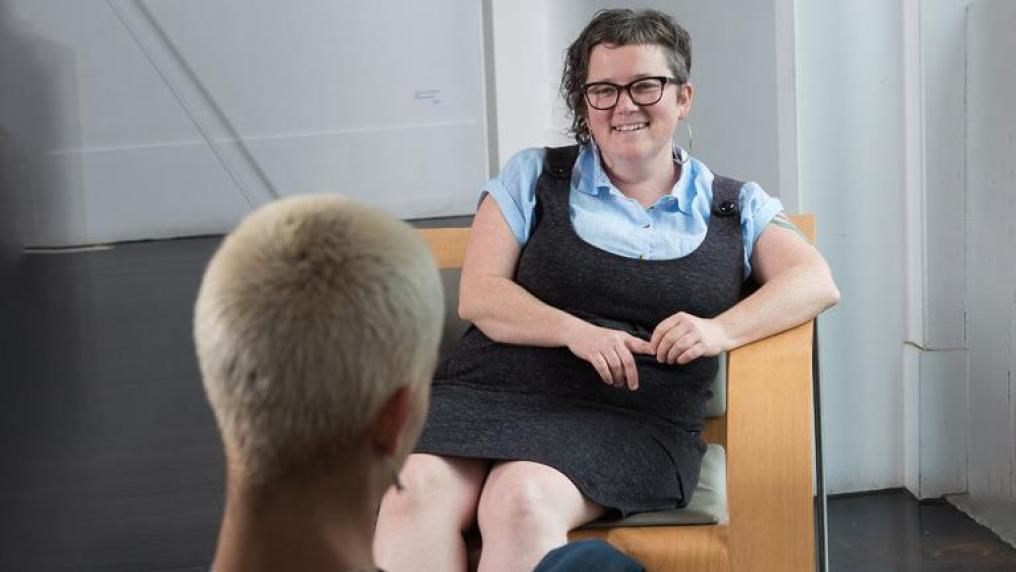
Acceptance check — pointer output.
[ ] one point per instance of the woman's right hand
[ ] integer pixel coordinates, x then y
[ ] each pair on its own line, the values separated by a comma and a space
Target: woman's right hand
611, 352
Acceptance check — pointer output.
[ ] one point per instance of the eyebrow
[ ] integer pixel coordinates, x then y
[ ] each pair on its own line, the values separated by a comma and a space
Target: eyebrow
635, 77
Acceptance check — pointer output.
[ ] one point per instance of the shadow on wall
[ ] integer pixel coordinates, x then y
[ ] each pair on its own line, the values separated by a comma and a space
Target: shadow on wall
20, 84
41, 178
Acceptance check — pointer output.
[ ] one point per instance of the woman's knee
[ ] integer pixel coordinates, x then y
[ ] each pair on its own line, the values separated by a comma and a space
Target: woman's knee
535, 499
516, 503
434, 484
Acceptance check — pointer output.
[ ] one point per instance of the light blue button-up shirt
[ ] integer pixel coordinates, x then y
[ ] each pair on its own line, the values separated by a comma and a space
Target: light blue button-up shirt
672, 227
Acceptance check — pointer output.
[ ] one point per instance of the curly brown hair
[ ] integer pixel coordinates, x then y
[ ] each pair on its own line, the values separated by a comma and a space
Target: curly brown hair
620, 27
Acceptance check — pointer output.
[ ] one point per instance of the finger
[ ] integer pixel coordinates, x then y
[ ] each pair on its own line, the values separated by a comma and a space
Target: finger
616, 369
662, 348
663, 327
667, 343
669, 339
601, 368
638, 345
691, 354
680, 346
631, 373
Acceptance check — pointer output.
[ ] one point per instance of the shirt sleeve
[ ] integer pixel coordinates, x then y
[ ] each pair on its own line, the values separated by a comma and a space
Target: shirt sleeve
757, 211
514, 191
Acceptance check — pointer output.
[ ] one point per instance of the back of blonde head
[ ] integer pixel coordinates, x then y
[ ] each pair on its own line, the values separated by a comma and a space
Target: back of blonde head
310, 315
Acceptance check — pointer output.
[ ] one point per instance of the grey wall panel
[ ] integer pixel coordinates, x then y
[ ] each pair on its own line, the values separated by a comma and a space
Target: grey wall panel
425, 171
174, 118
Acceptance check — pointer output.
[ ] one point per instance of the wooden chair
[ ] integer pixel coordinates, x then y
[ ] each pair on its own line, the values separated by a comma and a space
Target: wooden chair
767, 435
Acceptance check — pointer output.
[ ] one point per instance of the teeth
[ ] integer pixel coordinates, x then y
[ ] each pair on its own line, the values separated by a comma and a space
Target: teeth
630, 127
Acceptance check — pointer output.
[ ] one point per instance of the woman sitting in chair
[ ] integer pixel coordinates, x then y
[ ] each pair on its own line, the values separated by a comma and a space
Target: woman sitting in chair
603, 280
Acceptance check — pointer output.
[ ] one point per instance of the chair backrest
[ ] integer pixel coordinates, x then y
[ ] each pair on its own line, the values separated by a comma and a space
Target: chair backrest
454, 326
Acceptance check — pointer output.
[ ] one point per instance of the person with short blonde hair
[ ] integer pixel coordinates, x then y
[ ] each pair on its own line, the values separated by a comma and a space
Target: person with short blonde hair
317, 327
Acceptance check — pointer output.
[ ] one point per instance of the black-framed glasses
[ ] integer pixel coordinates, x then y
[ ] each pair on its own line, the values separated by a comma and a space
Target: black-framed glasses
604, 95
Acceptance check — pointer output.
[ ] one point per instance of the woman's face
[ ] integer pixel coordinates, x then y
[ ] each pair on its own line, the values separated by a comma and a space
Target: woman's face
629, 132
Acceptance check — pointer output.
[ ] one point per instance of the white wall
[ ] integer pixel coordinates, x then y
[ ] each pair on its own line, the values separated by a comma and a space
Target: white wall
850, 143
907, 138
991, 275
525, 82
935, 383
175, 118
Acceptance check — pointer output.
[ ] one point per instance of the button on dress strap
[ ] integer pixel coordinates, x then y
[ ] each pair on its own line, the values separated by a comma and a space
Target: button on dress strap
726, 194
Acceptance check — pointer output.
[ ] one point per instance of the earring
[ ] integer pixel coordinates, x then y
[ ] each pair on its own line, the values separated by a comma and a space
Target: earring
396, 482
691, 141
691, 136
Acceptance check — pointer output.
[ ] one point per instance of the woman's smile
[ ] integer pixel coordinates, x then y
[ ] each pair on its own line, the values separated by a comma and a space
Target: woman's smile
630, 127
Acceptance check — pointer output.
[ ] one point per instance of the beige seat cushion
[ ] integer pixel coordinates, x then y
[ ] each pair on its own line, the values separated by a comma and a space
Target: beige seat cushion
708, 505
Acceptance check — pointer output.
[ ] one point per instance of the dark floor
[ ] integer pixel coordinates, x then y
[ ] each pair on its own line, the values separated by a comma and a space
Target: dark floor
891, 531
112, 461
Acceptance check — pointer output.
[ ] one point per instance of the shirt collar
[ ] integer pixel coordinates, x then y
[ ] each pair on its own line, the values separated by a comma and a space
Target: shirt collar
595, 179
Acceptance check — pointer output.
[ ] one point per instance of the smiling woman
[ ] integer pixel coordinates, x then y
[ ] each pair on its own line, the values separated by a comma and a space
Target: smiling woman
602, 281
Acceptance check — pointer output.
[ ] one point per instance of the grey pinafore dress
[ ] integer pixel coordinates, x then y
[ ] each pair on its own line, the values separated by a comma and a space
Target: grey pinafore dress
629, 451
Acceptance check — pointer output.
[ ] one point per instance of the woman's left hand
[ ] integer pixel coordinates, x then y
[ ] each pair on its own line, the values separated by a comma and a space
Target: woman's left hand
683, 338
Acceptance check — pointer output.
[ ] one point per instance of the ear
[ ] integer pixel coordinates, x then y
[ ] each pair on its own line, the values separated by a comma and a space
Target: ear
390, 423
684, 97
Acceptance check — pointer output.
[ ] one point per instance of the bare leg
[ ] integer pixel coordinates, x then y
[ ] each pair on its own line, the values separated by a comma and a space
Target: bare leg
420, 528
526, 510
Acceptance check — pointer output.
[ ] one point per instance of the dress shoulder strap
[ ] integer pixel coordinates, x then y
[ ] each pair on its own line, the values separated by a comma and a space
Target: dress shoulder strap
560, 160
726, 192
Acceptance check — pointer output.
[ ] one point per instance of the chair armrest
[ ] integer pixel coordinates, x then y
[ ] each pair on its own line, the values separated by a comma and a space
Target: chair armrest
770, 452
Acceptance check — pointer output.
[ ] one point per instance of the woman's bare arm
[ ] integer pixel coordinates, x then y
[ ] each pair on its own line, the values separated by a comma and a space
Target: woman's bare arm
796, 285
507, 313
489, 298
